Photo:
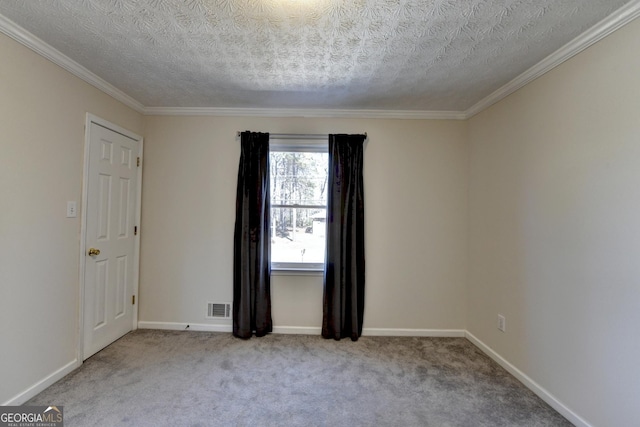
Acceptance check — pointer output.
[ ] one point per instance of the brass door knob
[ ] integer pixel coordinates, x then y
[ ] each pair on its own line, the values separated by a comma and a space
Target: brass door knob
94, 252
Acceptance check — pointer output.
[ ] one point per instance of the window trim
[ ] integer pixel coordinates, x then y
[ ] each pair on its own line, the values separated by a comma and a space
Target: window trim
298, 146
298, 268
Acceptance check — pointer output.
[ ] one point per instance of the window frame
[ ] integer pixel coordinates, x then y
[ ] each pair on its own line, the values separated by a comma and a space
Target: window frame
298, 146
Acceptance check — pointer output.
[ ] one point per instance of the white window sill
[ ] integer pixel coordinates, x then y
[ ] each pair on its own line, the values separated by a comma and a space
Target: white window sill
296, 272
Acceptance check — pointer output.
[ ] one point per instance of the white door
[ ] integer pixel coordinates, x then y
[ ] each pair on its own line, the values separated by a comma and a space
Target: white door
109, 237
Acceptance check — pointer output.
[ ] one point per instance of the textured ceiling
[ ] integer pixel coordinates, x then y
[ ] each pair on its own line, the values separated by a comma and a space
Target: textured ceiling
435, 55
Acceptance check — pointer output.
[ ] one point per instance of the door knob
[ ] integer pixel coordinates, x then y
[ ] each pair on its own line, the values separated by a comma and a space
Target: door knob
94, 252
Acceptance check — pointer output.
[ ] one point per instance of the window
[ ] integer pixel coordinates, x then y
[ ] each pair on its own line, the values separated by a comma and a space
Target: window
298, 205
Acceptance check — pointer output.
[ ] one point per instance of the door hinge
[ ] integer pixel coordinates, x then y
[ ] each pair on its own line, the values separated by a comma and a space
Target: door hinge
135, 230
133, 300
138, 162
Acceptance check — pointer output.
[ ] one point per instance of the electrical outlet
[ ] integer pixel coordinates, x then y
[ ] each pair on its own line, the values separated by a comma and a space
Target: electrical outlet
502, 323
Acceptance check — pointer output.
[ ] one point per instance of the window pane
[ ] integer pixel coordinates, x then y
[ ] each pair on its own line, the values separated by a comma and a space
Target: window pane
302, 243
298, 233
298, 178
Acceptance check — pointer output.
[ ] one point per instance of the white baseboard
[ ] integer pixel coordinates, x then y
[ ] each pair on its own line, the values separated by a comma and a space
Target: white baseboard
392, 332
305, 330
529, 383
47, 381
375, 332
297, 330
205, 327
174, 326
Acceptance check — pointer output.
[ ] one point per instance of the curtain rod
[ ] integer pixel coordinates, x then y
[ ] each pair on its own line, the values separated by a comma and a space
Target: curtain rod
298, 135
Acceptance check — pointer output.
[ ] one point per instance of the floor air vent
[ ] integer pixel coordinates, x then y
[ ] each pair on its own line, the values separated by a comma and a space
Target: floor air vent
219, 310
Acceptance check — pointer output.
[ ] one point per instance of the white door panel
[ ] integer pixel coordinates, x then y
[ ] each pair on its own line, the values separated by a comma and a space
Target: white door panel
111, 211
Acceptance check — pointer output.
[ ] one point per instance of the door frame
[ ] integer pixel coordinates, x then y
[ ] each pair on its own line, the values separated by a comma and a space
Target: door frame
90, 118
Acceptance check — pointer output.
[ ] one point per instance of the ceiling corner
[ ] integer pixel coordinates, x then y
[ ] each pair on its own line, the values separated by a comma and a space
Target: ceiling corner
22, 36
602, 29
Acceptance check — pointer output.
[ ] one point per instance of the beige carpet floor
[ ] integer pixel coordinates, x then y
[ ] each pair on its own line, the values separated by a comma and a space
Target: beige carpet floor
164, 378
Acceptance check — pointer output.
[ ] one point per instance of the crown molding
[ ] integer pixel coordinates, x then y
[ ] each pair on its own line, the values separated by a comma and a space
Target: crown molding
302, 112
602, 29
29, 40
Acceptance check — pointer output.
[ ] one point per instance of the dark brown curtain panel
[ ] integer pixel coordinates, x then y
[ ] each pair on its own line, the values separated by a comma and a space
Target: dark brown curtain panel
252, 246
343, 306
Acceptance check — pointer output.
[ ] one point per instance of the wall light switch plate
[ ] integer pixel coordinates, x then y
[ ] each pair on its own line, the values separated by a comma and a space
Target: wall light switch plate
502, 323
72, 209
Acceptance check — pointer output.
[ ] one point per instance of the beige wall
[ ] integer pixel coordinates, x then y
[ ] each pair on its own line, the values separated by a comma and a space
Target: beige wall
416, 216
555, 230
42, 115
